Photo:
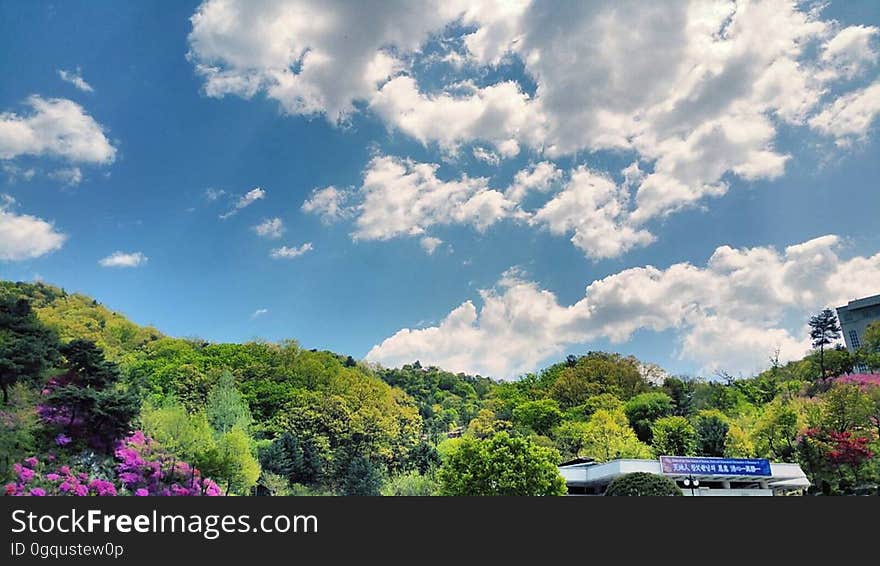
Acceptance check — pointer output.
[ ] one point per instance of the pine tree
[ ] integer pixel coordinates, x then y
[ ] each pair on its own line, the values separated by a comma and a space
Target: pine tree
824, 330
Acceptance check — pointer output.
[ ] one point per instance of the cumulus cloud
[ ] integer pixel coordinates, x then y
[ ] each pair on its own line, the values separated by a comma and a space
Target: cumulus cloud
244, 201
69, 176
430, 244
294, 51
730, 314
539, 177
124, 259
55, 127
400, 197
285, 252
596, 209
849, 118
486, 155
329, 203
695, 91
75, 78
852, 51
403, 198
23, 236
271, 228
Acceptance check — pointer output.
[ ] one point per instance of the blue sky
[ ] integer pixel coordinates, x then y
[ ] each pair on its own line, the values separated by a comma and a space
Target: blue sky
178, 107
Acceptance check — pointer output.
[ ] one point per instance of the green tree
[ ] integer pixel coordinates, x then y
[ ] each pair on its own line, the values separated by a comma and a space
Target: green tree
27, 347
593, 374
847, 408
824, 330
19, 428
642, 484
187, 436
645, 408
500, 465
539, 416
90, 400
674, 436
226, 407
362, 476
233, 462
711, 428
608, 436
570, 438
682, 394
776, 430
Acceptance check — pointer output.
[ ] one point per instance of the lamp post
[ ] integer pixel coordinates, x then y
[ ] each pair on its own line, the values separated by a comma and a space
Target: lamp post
691, 482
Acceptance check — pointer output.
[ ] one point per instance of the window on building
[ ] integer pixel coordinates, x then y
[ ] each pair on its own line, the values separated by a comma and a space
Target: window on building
854, 339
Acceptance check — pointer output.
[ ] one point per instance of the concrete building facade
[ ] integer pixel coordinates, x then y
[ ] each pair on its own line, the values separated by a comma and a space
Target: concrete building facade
855, 317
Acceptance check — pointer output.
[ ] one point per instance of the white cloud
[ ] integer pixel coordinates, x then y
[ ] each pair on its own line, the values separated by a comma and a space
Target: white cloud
123, 259
285, 252
430, 244
258, 313
849, 118
69, 175
499, 114
851, 51
56, 127
539, 177
487, 156
245, 201
329, 203
75, 78
312, 57
730, 314
695, 91
23, 236
14, 172
596, 210
212, 194
271, 228
403, 198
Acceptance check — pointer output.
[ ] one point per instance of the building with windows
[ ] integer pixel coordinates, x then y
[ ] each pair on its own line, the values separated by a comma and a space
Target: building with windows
855, 318
707, 477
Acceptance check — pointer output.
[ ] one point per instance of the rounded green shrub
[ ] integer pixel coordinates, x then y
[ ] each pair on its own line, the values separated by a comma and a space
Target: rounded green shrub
642, 484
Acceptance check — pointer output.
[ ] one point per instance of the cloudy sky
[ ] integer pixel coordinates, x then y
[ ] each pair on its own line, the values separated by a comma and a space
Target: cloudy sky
483, 185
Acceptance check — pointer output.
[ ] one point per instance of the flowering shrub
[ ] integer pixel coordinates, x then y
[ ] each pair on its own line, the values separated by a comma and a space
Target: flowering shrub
863, 380
141, 469
38, 479
145, 469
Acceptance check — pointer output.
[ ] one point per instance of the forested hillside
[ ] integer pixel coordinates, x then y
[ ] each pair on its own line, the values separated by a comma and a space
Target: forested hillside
99, 405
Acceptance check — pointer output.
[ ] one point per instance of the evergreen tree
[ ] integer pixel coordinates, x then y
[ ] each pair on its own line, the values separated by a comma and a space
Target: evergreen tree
824, 330
27, 347
89, 402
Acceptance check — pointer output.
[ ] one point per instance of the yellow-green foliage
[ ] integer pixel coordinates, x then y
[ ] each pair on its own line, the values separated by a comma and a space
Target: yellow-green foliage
78, 316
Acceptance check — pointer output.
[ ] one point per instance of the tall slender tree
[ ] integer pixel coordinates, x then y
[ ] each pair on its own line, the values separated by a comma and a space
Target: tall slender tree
824, 330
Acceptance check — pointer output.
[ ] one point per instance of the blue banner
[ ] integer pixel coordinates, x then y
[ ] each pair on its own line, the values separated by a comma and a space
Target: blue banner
681, 465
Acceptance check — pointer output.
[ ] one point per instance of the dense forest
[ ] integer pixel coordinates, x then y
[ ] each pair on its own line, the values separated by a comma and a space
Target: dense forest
94, 404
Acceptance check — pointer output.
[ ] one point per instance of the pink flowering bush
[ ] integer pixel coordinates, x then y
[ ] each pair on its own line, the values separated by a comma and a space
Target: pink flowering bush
141, 468
145, 469
863, 380
38, 479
